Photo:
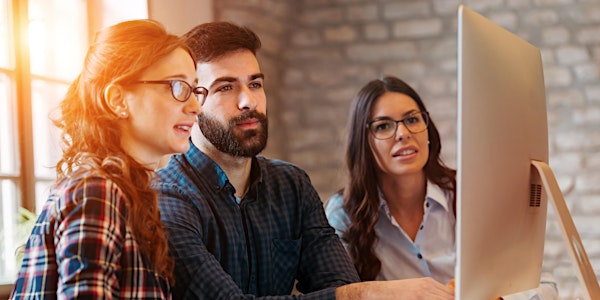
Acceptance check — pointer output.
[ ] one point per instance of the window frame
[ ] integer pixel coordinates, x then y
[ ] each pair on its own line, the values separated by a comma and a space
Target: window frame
21, 97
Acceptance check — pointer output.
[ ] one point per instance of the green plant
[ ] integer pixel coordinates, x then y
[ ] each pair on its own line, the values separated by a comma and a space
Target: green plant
25, 222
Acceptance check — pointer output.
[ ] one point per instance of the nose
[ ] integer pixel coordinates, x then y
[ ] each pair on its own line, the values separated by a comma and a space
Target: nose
402, 131
247, 100
192, 105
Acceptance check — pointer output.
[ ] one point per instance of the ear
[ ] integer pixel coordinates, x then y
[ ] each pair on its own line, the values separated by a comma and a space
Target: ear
114, 95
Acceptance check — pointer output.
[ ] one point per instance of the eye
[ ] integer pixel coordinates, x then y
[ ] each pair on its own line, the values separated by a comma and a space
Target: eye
224, 88
256, 85
412, 120
177, 86
382, 125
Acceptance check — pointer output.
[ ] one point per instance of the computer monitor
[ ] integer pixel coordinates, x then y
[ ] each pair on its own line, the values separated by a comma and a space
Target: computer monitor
502, 127
504, 181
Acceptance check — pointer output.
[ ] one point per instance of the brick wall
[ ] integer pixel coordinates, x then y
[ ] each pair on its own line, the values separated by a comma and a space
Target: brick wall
318, 53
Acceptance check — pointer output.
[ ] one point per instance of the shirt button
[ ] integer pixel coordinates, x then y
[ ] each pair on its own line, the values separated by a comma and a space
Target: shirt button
426, 204
420, 256
421, 228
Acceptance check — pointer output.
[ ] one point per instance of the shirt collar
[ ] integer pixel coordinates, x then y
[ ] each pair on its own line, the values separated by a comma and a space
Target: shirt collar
434, 193
212, 172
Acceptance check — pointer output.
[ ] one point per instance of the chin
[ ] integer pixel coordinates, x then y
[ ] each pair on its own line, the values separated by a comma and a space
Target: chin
180, 148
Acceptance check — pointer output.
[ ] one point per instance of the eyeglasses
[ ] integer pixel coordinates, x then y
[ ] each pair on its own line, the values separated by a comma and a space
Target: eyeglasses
383, 129
181, 90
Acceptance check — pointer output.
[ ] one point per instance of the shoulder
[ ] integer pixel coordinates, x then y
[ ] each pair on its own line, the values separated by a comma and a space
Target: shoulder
89, 189
171, 172
278, 169
89, 184
334, 203
285, 183
336, 214
176, 178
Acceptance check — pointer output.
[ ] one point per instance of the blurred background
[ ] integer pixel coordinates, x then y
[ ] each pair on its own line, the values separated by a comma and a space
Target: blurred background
316, 55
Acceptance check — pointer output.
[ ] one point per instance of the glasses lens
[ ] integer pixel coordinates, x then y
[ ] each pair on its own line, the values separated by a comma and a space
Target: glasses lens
181, 90
201, 94
416, 123
383, 129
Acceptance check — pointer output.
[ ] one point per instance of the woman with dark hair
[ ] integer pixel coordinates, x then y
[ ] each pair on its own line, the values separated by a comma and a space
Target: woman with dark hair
397, 213
99, 235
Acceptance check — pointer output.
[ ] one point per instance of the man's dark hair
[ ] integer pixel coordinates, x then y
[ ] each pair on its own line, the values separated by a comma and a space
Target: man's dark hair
212, 40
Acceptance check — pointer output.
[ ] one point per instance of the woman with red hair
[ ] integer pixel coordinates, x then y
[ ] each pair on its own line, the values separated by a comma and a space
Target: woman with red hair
99, 235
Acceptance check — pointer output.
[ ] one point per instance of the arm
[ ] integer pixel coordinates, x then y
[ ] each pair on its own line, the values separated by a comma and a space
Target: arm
425, 288
324, 262
90, 233
545, 291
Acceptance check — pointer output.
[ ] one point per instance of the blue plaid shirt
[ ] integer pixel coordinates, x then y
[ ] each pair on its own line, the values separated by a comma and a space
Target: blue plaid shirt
278, 233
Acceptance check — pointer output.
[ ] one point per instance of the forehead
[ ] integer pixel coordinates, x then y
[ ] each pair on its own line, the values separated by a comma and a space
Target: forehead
238, 64
393, 104
178, 63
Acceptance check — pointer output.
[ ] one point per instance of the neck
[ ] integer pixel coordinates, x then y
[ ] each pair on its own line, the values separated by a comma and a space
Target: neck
405, 196
404, 193
151, 162
236, 168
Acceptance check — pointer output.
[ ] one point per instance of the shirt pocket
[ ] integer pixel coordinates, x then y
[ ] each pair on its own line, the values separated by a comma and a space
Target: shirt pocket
285, 259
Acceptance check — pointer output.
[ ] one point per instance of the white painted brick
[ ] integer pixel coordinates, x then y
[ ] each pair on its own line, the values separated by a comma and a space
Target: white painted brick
381, 51
557, 76
418, 28
586, 72
570, 55
556, 35
589, 35
541, 17
564, 98
405, 9
566, 163
593, 93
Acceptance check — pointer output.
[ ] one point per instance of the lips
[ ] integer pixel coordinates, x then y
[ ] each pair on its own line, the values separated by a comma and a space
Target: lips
248, 122
405, 152
184, 126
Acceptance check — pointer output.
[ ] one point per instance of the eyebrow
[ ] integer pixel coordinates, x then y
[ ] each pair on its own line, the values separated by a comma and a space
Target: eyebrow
180, 77
404, 115
234, 79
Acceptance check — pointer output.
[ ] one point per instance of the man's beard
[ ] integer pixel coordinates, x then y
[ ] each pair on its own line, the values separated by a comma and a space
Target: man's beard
243, 144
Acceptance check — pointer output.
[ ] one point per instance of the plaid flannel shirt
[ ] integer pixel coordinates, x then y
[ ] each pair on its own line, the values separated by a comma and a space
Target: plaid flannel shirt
276, 234
81, 247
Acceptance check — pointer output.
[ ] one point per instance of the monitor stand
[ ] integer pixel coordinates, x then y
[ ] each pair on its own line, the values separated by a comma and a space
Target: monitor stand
585, 273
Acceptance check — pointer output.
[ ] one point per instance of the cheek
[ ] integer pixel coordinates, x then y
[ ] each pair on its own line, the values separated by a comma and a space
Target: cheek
218, 108
379, 148
262, 101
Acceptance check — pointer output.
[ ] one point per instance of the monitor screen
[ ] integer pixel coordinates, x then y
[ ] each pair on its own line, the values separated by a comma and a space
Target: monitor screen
502, 127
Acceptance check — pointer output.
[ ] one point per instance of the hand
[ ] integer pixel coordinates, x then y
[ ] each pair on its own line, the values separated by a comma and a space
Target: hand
408, 289
451, 285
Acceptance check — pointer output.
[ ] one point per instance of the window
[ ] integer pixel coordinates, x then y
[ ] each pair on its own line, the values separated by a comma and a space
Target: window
43, 40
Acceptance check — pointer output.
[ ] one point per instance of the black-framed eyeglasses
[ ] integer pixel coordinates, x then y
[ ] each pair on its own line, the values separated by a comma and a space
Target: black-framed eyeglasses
386, 128
181, 90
